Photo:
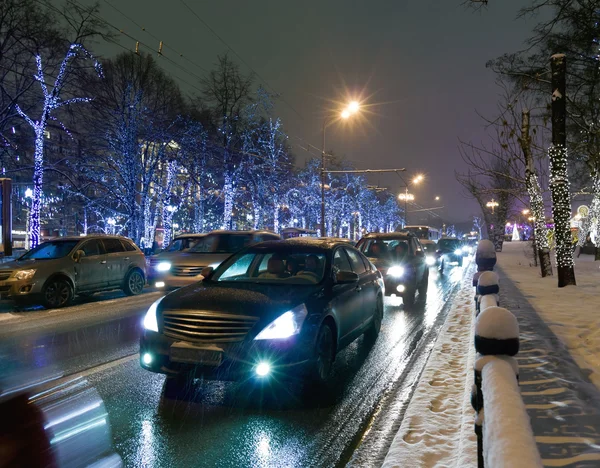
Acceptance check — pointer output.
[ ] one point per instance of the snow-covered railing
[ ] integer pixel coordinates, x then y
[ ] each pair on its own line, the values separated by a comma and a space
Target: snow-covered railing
504, 435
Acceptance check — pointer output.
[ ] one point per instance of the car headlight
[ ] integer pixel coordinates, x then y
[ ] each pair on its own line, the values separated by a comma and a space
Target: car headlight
150, 321
430, 260
24, 274
458, 252
284, 326
396, 271
163, 266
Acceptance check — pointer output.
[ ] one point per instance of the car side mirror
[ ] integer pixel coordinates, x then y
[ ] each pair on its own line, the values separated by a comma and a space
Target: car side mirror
78, 255
207, 271
346, 277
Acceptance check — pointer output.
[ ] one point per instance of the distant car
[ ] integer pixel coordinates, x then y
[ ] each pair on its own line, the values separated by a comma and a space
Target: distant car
451, 251
182, 268
182, 243
55, 271
273, 310
405, 273
432, 255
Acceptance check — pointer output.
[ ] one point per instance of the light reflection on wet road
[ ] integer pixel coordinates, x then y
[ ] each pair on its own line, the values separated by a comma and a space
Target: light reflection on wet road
228, 424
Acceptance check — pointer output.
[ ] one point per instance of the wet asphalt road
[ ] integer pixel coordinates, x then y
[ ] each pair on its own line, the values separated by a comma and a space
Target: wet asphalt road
228, 424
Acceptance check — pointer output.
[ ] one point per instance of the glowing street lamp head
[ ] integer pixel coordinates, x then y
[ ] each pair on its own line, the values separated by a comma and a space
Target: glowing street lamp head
346, 114
437, 198
418, 179
353, 107
525, 211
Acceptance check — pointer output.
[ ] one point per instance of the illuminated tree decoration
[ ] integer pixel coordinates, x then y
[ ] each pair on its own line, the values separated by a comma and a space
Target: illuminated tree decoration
515, 233
52, 102
561, 205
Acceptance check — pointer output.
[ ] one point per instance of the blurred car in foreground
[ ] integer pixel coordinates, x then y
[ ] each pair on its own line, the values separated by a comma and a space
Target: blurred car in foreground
55, 271
451, 251
54, 424
274, 310
183, 268
401, 260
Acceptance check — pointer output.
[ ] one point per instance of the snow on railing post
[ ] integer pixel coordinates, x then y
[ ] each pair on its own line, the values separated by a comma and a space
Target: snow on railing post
497, 341
488, 289
485, 258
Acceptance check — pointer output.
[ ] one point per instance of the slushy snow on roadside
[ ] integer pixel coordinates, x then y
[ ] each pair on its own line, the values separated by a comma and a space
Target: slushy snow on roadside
572, 313
437, 428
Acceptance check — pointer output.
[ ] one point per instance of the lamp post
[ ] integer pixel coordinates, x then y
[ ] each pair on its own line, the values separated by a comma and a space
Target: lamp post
352, 108
408, 196
492, 204
28, 196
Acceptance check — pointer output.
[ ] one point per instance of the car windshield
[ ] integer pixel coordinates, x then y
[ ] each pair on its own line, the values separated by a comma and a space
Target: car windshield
274, 267
50, 250
449, 244
385, 249
183, 244
222, 243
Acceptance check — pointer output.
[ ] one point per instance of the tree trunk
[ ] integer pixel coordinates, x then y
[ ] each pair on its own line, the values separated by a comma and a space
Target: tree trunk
227, 200
38, 179
559, 181
540, 234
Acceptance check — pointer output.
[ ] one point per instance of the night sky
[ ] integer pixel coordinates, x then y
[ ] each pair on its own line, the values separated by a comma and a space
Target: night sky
418, 65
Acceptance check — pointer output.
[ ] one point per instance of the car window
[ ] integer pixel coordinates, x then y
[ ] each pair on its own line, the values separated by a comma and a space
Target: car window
129, 247
175, 246
91, 248
50, 250
112, 246
239, 268
340, 261
357, 264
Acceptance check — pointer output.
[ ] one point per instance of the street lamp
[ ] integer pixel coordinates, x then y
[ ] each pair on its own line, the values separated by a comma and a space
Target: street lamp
492, 204
352, 108
28, 196
437, 198
408, 196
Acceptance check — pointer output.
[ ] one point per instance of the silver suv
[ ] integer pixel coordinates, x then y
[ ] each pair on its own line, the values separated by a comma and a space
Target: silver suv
56, 270
177, 269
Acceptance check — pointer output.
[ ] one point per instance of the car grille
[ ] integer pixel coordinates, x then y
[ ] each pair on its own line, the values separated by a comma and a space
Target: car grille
5, 275
186, 270
204, 326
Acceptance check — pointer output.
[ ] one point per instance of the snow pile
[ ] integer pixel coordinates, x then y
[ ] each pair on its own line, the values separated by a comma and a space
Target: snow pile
437, 428
571, 312
496, 323
507, 436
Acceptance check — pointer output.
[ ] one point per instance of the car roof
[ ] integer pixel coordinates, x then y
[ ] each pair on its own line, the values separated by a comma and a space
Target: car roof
220, 231
389, 235
89, 236
301, 243
188, 236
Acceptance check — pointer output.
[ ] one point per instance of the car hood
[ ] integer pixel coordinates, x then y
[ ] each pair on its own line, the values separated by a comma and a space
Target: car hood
193, 259
384, 262
20, 264
258, 300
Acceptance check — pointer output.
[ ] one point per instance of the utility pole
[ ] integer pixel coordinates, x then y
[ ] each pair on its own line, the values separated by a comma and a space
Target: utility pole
559, 181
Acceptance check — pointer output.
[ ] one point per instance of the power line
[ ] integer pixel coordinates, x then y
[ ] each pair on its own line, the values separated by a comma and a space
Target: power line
241, 59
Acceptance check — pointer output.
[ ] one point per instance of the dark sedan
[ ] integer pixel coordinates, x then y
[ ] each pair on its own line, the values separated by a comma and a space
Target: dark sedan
451, 251
277, 309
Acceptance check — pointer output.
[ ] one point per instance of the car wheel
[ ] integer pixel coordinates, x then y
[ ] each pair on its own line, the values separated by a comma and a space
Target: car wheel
373, 330
324, 355
424, 286
134, 283
57, 293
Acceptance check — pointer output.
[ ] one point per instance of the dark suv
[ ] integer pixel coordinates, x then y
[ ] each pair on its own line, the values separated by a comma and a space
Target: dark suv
56, 270
400, 258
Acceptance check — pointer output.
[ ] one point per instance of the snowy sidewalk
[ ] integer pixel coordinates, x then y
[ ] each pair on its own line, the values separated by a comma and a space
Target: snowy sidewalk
437, 428
559, 358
